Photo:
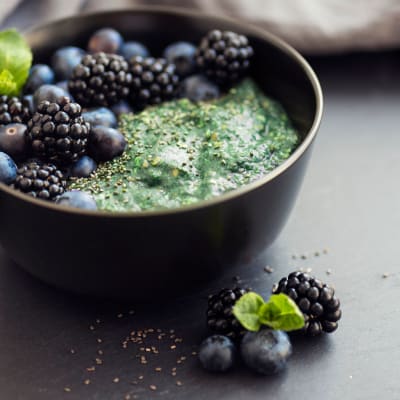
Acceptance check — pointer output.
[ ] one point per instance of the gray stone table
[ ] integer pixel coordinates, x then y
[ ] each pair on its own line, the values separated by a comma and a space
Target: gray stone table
349, 205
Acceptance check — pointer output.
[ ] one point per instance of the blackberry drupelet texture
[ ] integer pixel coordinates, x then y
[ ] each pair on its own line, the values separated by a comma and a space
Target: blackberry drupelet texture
316, 300
224, 56
154, 80
40, 180
57, 132
100, 79
13, 109
219, 313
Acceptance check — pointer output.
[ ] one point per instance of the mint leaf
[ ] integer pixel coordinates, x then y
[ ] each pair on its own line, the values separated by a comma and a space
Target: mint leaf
246, 310
282, 313
7, 82
15, 62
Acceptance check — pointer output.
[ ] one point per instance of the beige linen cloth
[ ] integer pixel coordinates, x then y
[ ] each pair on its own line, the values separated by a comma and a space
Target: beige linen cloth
312, 26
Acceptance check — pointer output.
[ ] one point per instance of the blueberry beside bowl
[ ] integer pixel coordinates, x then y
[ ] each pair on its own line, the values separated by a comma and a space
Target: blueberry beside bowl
163, 253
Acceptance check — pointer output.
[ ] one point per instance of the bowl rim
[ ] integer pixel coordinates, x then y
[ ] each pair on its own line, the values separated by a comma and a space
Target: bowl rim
256, 31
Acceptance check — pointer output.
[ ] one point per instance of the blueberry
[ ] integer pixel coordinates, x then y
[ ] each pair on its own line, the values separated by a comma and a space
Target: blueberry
48, 92
13, 140
107, 40
77, 199
106, 143
266, 351
182, 54
8, 169
199, 88
40, 74
100, 116
131, 49
122, 107
28, 100
217, 353
83, 167
65, 59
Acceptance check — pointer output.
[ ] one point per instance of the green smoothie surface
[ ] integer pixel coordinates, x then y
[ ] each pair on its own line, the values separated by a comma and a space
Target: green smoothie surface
181, 152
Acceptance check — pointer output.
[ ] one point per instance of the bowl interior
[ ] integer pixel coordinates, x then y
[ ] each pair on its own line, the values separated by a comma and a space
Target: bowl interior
278, 69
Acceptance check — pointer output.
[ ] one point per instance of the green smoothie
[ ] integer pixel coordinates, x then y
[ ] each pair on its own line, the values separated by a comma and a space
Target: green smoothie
181, 152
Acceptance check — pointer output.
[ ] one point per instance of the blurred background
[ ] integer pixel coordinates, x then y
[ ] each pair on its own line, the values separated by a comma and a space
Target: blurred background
312, 26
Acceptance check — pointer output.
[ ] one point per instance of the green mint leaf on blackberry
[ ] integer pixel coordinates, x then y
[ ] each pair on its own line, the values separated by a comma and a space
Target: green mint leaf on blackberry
247, 311
15, 62
7, 82
282, 313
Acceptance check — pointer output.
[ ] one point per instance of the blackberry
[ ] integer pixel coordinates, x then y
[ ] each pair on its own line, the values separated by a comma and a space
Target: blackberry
13, 109
40, 180
224, 56
219, 313
153, 80
57, 132
317, 301
100, 79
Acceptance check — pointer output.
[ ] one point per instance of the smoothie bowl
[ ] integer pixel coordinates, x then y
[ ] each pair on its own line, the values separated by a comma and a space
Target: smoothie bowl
200, 174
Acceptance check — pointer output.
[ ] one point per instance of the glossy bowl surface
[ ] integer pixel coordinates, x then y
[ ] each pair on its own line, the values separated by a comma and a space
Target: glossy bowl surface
143, 254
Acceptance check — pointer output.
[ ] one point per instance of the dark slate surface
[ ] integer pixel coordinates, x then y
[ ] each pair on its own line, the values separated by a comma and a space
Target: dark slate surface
349, 205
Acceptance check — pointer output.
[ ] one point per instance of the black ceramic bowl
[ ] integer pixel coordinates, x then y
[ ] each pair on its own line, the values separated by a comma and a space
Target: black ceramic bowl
153, 253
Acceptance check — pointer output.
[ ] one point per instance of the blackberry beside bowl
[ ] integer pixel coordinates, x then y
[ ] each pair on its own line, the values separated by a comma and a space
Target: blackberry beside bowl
164, 253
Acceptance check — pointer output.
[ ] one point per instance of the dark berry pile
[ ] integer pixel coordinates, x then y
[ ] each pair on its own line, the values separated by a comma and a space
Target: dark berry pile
154, 80
111, 76
219, 313
13, 109
317, 301
100, 79
224, 56
40, 180
57, 132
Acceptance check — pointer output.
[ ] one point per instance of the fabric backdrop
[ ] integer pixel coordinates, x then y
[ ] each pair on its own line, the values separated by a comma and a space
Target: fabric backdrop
312, 26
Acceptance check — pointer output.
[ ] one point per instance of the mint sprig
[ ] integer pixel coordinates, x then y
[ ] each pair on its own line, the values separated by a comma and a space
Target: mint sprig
280, 312
15, 62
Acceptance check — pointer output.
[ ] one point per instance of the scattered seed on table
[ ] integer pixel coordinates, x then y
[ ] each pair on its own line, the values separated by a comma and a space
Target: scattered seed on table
91, 369
385, 274
86, 381
158, 369
268, 269
153, 387
127, 397
173, 347
194, 353
141, 377
173, 373
91, 327
98, 321
72, 351
116, 380
67, 389
100, 352
303, 256
120, 315
317, 254
325, 251
99, 361
328, 271
131, 312
179, 383
99, 340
